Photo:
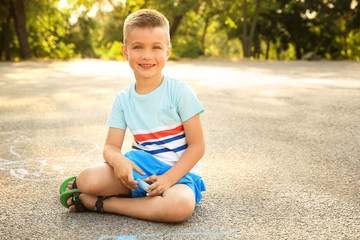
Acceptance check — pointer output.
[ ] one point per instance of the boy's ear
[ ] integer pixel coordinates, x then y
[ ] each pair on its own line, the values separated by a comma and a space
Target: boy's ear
168, 53
124, 51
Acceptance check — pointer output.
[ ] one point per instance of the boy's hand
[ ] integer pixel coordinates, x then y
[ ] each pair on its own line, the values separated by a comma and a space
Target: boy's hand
159, 184
124, 173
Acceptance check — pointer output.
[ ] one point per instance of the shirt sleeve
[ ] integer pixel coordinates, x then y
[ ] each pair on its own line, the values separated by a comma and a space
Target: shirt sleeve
117, 118
188, 104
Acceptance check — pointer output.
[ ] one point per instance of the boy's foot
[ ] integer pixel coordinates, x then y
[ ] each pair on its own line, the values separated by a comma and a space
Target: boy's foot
70, 185
87, 200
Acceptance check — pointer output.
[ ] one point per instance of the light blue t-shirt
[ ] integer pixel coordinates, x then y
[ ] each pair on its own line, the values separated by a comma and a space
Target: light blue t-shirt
155, 119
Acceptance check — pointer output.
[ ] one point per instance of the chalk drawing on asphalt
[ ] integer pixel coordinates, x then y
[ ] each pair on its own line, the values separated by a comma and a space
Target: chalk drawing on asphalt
172, 235
32, 159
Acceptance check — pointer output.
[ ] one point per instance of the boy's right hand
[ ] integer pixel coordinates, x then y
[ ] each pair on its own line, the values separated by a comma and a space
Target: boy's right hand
123, 170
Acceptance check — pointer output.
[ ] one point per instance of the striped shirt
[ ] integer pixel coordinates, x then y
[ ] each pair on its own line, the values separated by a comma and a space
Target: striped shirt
155, 119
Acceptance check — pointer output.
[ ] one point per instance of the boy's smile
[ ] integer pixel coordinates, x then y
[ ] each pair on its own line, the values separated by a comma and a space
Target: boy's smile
147, 66
147, 50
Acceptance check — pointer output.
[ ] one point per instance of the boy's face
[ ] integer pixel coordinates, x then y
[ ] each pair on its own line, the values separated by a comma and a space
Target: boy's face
147, 50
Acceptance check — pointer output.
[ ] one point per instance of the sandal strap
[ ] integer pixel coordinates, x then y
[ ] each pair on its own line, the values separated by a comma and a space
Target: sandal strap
78, 204
99, 205
74, 185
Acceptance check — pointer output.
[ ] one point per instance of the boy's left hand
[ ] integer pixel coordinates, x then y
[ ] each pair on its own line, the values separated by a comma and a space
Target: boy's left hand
159, 184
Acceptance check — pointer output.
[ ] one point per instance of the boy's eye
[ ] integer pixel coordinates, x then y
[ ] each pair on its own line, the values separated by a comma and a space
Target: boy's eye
157, 47
137, 47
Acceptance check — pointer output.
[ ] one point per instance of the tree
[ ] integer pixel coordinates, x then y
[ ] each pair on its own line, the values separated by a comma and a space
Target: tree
174, 11
336, 28
236, 20
269, 29
287, 29
14, 11
247, 38
5, 37
17, 10
209, 9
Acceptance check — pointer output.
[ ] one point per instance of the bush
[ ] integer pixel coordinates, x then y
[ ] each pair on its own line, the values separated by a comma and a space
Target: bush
64, 51
186, 48
110, 51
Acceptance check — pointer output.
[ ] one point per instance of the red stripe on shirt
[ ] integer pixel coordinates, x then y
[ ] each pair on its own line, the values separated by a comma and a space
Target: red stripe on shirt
160, 134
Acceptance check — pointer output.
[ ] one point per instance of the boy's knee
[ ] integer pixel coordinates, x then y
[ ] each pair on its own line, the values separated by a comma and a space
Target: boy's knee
88, 182
178, 209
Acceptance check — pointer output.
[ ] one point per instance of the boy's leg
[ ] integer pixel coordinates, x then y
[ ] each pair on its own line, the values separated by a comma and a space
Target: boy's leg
100, 180
175, 205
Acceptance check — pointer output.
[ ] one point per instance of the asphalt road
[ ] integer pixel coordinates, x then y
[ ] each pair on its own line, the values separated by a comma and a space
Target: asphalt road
282, 158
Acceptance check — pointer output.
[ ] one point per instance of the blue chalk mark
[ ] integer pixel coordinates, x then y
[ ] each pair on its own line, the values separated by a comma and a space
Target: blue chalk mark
135, 237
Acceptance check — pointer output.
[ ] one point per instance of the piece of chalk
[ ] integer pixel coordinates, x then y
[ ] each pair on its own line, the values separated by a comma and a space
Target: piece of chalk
143, 185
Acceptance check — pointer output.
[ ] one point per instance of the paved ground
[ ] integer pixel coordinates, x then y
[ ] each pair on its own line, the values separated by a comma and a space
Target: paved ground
282, 159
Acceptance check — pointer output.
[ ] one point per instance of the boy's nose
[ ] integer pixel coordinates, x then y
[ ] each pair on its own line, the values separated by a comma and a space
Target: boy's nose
146, 54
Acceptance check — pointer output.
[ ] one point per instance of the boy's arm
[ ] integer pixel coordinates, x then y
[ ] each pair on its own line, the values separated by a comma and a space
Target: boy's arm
122, 166
193, 153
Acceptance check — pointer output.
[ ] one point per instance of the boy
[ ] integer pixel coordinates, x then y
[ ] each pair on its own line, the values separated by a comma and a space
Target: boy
163, 115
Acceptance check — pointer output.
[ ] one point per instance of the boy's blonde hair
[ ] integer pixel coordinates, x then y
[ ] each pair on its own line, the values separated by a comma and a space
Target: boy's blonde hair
145, 18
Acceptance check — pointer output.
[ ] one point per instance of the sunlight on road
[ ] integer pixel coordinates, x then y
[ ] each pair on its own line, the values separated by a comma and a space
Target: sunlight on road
98, 68
222, 75
243, 74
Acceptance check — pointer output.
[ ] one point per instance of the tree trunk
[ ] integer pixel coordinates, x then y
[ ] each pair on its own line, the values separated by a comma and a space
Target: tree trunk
18, 13
278, 50
298, 51
345, 45
256, 53
267, 49
253, 25
207, 20
6, 35
247, 39
175, 24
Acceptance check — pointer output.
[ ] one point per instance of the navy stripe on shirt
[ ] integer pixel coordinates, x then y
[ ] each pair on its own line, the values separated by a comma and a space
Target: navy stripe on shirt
157, 151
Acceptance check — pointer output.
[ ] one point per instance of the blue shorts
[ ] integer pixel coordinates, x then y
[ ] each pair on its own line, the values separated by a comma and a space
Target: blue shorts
152, 166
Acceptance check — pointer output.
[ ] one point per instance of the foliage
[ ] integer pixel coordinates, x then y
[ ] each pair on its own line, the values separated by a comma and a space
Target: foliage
285, 29
110, 51
48, 28
186, 42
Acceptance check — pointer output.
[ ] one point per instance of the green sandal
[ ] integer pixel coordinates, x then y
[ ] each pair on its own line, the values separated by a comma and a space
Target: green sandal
74, 194
64, 185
